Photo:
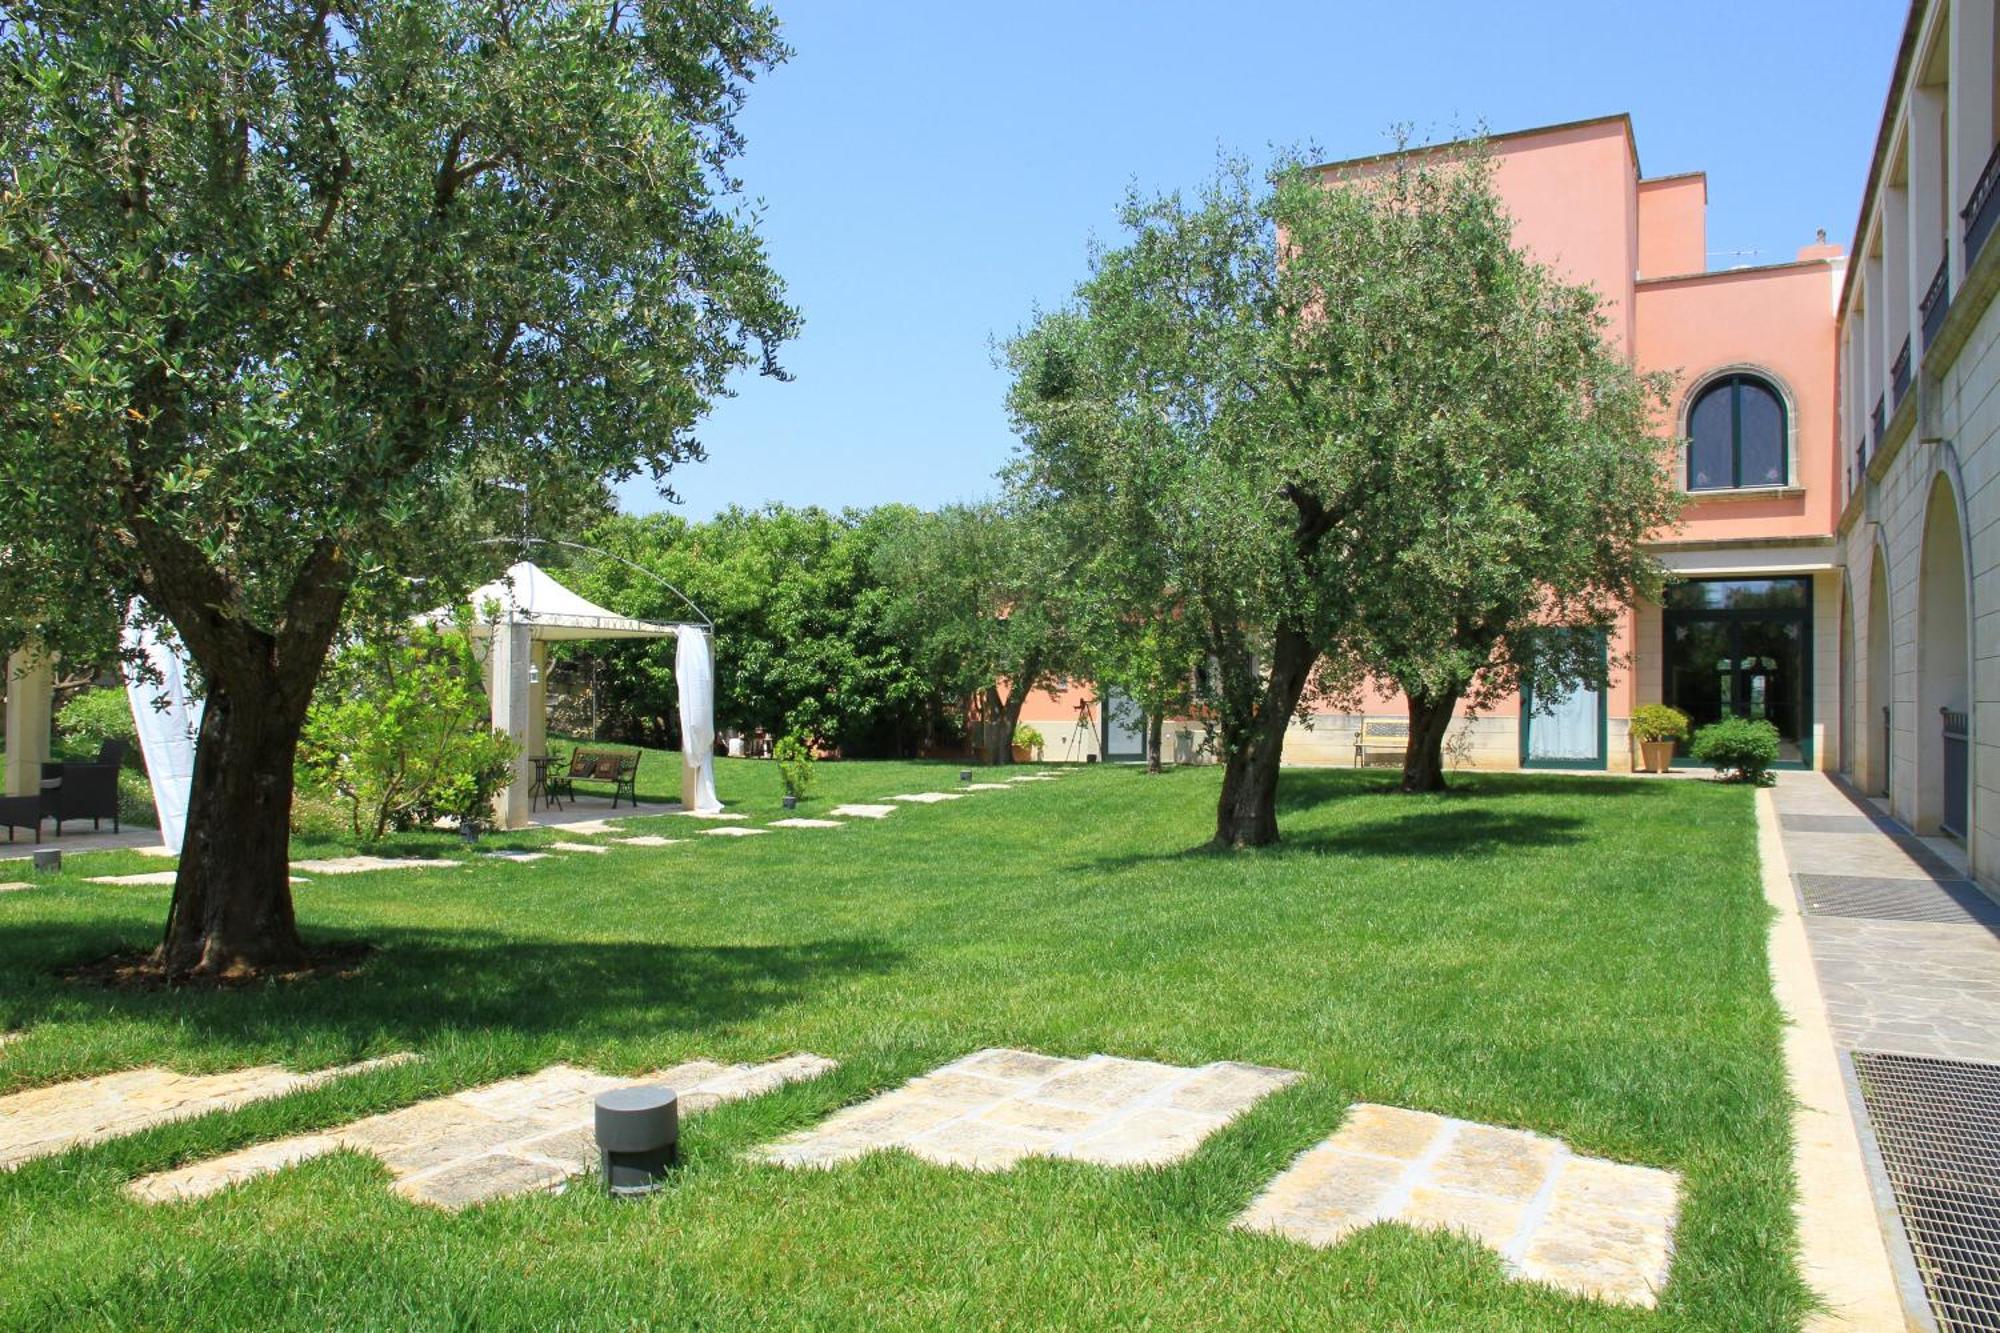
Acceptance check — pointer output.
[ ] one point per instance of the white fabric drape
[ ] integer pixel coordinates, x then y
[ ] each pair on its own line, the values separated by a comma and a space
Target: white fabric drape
694, 671
166, 731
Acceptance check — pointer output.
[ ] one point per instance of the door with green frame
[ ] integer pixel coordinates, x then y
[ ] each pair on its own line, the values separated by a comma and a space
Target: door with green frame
1566, 730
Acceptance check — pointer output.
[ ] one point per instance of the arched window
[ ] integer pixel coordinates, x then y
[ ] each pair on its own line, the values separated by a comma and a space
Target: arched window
1736, 436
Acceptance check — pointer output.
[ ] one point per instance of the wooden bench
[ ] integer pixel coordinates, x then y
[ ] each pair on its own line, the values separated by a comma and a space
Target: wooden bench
616, 767
1379, 735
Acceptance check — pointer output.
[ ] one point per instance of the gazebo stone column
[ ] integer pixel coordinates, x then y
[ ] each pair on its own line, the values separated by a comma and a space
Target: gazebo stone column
30, 685
509, 693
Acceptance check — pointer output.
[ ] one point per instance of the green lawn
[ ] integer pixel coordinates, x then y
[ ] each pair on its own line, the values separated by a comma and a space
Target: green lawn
1582, 957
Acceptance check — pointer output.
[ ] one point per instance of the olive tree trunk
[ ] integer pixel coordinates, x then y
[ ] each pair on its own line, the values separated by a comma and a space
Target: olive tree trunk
1246, 814
1423, 756
1155, 730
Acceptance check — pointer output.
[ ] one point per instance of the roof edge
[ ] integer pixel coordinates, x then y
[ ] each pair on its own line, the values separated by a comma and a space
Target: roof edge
1617, 117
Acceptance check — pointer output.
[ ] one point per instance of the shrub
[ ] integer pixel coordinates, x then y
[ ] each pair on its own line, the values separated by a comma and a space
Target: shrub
1740, 748
399, 734
1658, 722
97, 716
1027, 738
795, 764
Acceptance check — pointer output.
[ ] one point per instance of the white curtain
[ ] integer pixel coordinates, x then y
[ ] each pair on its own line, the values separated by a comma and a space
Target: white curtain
694, 669
167, 729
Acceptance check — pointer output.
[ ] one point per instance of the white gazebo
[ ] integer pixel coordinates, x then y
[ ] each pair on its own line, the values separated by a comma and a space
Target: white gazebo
521, 614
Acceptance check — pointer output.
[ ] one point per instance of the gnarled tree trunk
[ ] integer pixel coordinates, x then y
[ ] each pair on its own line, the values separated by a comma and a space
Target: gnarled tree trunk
232, 905
1423, 756
1246, 814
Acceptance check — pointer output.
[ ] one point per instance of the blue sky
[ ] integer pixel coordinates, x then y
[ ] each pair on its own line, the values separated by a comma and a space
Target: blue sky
932, 171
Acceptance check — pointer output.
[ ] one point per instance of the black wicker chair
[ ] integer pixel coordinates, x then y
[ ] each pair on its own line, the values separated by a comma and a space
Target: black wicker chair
84, 791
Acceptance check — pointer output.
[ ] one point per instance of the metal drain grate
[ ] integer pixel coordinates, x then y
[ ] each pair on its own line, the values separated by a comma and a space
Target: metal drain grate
1952, 902
1937, 1123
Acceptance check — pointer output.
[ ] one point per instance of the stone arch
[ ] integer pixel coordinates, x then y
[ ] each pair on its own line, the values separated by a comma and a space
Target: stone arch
1878, 694
1944, 656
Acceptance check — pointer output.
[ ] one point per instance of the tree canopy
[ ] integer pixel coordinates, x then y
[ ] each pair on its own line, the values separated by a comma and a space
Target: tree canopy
285, 286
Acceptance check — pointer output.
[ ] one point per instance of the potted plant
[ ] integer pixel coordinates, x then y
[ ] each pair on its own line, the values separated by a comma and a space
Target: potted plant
1655, 728
1027, 744
795, 768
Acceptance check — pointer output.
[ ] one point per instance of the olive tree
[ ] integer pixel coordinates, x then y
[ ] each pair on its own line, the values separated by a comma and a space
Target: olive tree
285, 284
1184, 415
1525, 465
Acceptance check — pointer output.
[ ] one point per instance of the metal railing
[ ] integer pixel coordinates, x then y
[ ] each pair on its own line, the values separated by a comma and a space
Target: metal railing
1957, 735
1937, 300
1983, 208
1899, 373
1876, 422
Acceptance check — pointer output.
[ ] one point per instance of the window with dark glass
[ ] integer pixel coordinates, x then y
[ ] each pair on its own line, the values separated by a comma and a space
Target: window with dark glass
1736, 436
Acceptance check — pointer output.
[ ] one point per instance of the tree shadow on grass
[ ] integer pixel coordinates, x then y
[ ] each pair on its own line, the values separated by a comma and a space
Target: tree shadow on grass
1304, 789
419, 985
1444, 832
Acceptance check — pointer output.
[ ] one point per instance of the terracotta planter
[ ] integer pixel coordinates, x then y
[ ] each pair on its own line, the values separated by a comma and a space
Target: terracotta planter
1658, 755
1023, 755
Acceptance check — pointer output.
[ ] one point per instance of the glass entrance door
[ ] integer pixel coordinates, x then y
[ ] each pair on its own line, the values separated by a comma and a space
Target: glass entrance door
1742, 648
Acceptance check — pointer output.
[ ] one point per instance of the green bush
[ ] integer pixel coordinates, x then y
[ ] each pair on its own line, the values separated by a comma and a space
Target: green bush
399, 735
1739, 748
795, 764
1658, 722
97, 716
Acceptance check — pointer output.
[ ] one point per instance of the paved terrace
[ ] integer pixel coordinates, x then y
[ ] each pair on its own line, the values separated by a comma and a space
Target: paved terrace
1905, 949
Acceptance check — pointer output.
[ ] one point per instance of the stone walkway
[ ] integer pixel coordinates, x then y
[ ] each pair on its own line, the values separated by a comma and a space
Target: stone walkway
512, 1137
995, 1107
1907, 949
1589, 1226
50, 1120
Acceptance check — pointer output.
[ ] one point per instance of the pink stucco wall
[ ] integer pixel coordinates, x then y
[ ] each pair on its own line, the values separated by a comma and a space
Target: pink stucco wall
1775, 320
1673, 225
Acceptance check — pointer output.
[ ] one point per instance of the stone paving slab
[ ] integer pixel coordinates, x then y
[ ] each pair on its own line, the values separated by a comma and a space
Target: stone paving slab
592, 848
356, 865
15, 886
733, 832
1586, 1225
589, 828
513, 855
988, 786
864, 811
995, 1107
929, 797
53, 1119
1915, 988
517, 1136
1871, 853
649, 840
807, 823
148, 878
1034, 777
710, 814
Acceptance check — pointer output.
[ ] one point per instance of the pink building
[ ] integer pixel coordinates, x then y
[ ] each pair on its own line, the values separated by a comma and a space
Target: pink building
1750, 626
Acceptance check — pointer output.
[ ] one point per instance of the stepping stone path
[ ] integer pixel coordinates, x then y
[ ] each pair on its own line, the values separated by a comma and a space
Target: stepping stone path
50, 1120
150, 877
930, 797
1586, 1225
1033, 777
15, 886
520, 1135
649, 840
591, 847
987, 786
864, 811
516, 855
733, 832
587, 828
995, 1107
806, 823
710, 814
356, 865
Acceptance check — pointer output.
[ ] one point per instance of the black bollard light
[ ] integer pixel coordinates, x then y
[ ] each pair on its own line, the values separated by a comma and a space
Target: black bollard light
638, 1138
